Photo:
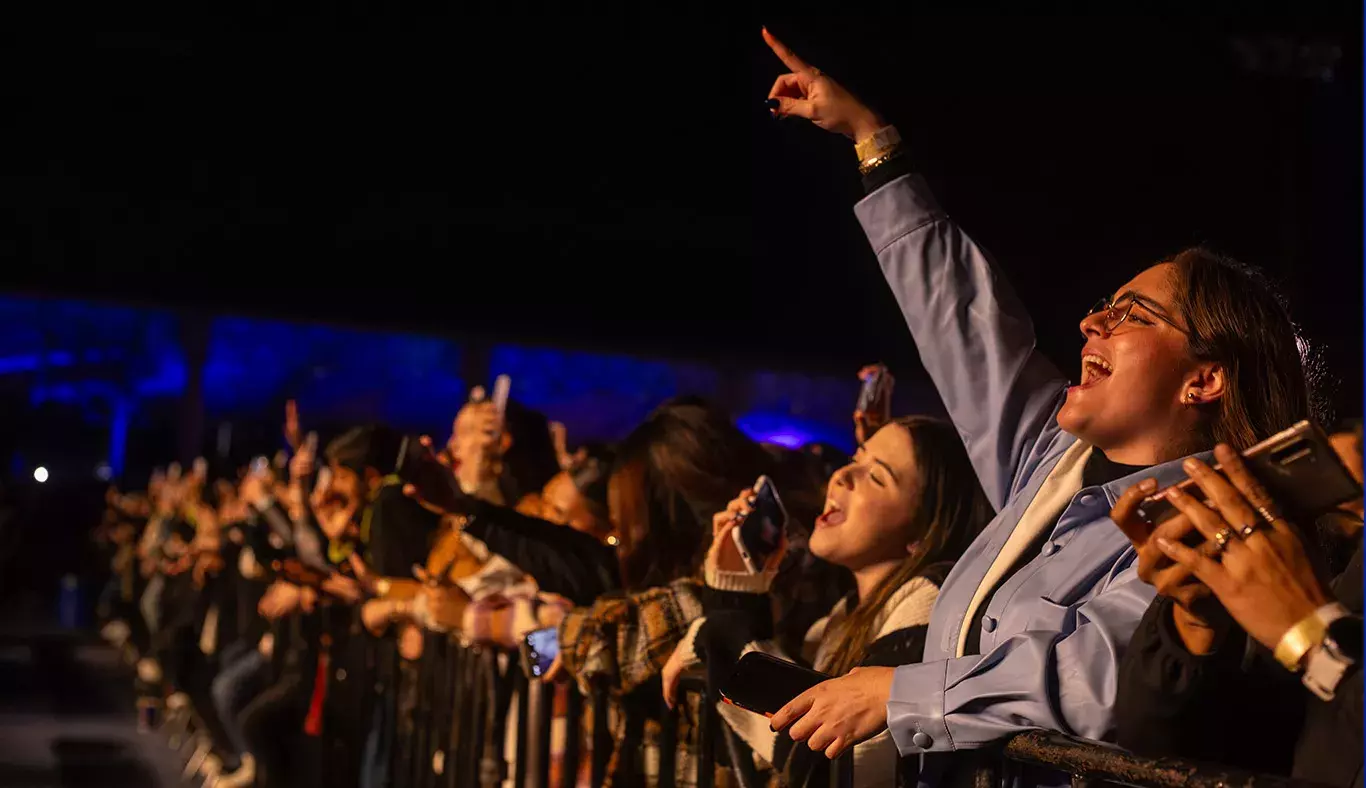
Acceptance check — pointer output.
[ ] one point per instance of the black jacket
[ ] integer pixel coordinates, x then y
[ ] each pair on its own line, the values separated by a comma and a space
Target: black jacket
560, 559
1236, 705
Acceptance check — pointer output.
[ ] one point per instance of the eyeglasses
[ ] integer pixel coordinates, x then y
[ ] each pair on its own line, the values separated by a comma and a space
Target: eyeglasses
1116, 314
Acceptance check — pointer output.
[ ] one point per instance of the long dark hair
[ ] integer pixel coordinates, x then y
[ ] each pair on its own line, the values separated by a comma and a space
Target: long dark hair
1237, 319
530, 461
589, 472
949, 511
683, 464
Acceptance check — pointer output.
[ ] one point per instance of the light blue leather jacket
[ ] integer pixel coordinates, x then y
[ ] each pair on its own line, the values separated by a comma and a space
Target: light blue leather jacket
1053, 634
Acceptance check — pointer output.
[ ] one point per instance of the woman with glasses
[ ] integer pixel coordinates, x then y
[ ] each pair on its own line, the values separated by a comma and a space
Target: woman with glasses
1029, 628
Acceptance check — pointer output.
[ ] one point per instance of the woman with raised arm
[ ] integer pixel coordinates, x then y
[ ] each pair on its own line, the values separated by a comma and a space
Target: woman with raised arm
1029, 628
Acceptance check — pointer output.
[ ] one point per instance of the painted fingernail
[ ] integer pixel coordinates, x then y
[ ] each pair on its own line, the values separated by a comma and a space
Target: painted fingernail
772, 103
1190, 465
1148, 485
1176, 493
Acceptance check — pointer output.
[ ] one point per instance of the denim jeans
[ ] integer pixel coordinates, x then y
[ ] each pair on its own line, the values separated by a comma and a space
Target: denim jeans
239, 680
379, 745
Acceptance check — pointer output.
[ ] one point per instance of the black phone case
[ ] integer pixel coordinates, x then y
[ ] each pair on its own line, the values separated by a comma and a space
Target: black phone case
1298, 467
764, 684
751, 530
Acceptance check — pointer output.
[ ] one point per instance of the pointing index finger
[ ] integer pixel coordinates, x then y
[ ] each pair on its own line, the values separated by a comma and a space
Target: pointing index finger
784, 54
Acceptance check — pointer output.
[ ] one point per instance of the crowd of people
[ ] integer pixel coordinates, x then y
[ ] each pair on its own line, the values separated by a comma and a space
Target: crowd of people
955, 581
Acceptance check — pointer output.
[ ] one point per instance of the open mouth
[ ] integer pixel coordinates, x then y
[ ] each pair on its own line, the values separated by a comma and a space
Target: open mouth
832, 516
1094, 369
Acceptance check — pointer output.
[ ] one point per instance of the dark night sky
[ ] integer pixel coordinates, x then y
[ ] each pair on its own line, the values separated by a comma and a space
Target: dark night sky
615, 182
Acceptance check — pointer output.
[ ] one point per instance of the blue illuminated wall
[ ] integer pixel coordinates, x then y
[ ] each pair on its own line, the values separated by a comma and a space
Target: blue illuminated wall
124, 367
338, 374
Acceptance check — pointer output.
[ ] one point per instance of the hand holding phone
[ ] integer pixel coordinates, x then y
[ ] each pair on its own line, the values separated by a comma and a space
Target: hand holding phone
1297, 466
759, 534
874, 406
502, 387
291, 429
763, 683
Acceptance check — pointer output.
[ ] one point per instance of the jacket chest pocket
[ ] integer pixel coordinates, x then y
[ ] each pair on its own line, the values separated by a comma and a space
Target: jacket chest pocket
1050, 616
1094, 556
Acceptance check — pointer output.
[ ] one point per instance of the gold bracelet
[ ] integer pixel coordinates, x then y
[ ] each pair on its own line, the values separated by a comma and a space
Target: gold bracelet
1299, 639
878, 143
868, 166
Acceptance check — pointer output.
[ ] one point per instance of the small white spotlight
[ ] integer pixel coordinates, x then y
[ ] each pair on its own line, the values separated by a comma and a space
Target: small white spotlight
40, 474
103, 472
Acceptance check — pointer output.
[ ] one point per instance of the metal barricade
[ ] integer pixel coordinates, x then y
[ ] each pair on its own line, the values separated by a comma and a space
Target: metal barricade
460, 736
1089, 763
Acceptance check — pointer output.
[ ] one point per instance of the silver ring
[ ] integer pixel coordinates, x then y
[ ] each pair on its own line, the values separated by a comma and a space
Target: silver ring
1222, 538
1268, 515
1248, 530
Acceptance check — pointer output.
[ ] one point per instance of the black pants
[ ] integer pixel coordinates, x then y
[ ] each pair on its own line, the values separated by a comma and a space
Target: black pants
272, 727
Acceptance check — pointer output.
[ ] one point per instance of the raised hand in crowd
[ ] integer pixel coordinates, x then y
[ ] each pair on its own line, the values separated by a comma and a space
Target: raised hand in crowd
476, 447
293, 436
256, 486
724, 555
879, 405
807, 92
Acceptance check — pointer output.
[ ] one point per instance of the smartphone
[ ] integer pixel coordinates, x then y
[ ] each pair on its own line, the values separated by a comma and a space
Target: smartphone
874, 390
761, 532
1297, 466
539, 649
763, 684
324, 480
502, 386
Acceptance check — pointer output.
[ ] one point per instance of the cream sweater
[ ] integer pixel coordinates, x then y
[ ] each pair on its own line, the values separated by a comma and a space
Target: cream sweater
875, 759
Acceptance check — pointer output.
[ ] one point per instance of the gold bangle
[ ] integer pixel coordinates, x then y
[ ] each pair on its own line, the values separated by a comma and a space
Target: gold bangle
1299, 639
878, 143
872, 164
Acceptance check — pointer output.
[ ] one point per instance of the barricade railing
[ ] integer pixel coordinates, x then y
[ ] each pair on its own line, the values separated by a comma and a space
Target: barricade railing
1090, 764
459, 733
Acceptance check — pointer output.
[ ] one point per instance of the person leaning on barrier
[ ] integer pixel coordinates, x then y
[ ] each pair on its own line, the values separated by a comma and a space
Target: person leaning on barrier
675, 470
1030, 626
897, 517
1281, 648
